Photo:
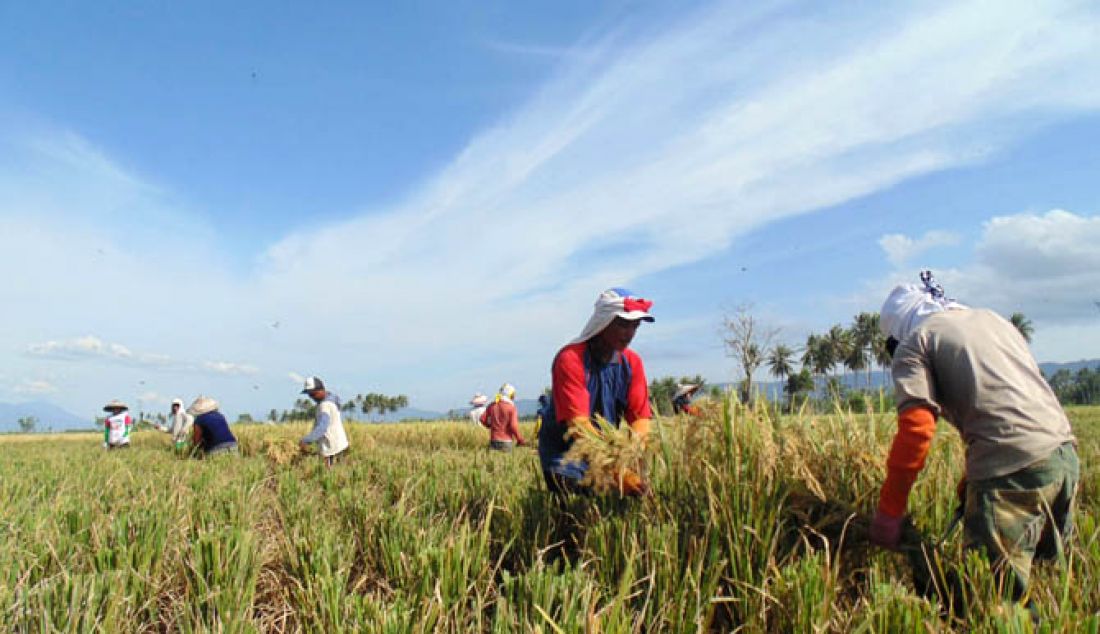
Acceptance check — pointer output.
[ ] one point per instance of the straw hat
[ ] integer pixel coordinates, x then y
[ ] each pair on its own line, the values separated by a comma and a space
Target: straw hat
115, 404
685, 388
202, 405
479, 399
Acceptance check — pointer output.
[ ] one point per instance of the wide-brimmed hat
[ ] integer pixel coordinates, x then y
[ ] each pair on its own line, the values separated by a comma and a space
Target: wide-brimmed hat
685, 388
115, 404
202, 405
479, 399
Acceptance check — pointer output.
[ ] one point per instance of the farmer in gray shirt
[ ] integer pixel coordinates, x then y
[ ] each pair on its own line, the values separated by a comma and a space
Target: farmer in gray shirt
973, 368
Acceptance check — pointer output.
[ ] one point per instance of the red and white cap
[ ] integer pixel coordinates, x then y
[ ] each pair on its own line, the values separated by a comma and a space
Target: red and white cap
612, 303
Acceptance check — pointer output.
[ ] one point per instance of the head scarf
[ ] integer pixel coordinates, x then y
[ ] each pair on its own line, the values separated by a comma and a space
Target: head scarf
612, 303
910, 304
506, 393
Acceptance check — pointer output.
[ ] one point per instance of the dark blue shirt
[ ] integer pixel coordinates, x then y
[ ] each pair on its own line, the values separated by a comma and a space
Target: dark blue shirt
215, 430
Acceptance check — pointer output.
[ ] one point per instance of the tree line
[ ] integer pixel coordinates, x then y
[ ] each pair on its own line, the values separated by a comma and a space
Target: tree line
367, 404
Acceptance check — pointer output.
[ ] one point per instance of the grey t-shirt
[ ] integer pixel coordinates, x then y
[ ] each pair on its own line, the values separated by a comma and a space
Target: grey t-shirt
974, 368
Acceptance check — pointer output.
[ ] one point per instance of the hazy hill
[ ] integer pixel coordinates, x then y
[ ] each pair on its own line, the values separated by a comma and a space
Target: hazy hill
49, 416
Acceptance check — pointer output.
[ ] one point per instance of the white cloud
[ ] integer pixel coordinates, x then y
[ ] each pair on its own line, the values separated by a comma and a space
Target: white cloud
1044, 265
632, 160
225, 367
92, 347
901, 250
36, 387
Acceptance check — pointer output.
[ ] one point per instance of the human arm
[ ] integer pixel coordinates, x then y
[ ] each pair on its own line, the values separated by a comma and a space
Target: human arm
916, 427
639, 413
319, 427
513, 426
570, 391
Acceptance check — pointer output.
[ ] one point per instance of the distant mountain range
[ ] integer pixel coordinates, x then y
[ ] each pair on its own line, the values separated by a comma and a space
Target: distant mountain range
48, 416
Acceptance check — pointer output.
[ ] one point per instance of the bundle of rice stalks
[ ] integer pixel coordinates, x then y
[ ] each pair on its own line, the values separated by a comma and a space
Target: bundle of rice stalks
615, 456
281, 451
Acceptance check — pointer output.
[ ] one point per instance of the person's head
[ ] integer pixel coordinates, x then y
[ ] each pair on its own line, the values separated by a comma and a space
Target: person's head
115, 407
507, 391
908, 305
315, 389
177, 405
616, 317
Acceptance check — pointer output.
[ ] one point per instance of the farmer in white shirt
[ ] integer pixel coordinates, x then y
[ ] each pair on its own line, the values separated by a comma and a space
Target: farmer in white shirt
179, 423
328, 429
477, 407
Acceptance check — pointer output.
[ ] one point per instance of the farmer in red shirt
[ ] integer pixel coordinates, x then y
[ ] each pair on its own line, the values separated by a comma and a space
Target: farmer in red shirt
503, 421
596, 374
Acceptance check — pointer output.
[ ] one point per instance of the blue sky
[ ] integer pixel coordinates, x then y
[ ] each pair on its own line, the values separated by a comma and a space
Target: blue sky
426, 198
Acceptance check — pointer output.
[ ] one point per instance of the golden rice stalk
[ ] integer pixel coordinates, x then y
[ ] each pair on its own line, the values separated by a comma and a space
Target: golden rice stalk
611, 453
281, 451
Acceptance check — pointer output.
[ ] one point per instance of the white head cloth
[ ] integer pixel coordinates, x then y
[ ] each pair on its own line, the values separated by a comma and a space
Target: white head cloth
910, 304
507, 392
612, 303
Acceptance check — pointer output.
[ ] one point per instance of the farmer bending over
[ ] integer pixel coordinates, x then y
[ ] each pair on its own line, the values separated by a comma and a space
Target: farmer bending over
596, 374
974, 368
211, 430
503, 421
117, 426
681, 400
328, 427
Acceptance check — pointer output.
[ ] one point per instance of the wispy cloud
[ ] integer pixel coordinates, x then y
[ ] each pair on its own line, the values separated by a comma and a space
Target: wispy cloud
90, 347
901, 250
635, 159
35, 387
225, 367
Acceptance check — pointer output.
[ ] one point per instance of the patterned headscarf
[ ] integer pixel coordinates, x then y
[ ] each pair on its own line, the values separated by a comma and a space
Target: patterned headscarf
910, 304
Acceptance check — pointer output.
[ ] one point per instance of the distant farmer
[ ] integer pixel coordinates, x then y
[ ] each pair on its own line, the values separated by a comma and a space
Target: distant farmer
596, 374
211, 431
117, 425
179, 423
328, 427
503, 421
974, 368
477, 407
681, 400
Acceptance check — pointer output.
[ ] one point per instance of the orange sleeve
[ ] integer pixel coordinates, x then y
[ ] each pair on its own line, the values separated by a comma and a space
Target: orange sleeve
916, 426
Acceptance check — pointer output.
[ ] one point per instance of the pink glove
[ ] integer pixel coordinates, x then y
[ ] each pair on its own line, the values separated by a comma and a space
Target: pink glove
886, 530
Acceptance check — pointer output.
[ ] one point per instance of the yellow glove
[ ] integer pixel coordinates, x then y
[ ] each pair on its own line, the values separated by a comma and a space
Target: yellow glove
640, 428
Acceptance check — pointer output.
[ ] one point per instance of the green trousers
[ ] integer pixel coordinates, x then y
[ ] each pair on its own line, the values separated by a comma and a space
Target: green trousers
1023, 516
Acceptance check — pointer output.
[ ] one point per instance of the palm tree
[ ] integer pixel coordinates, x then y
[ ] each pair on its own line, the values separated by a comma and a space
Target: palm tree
866, 333
839, 343
856, 357
1024, 325
781, 361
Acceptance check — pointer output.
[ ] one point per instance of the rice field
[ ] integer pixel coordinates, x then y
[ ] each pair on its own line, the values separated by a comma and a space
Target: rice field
757, 524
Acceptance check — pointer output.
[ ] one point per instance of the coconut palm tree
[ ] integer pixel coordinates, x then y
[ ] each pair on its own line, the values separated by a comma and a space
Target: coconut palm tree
1024, 325
780, 361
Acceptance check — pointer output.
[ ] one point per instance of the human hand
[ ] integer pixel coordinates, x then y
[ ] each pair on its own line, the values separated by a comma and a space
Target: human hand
886, 530
633, 485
